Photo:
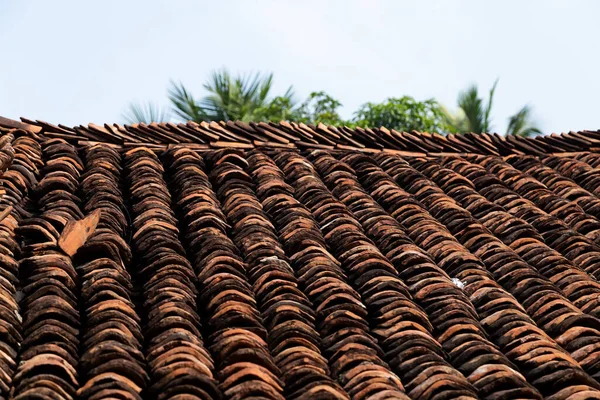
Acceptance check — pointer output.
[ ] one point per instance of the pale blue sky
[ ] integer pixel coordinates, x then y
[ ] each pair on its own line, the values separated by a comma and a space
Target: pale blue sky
75, 62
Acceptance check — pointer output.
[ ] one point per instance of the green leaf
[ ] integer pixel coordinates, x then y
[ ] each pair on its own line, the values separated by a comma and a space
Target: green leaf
403, 114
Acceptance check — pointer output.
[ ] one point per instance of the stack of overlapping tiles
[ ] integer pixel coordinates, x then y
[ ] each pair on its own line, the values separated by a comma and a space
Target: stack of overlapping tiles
291, 135
178, 270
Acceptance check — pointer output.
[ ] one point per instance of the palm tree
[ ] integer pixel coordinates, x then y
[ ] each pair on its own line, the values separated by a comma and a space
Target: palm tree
477, 116
474, 116
146, 114
244, 98
521, 123
184, 104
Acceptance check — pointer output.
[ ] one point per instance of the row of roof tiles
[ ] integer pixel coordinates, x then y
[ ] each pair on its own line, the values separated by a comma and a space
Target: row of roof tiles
242, 135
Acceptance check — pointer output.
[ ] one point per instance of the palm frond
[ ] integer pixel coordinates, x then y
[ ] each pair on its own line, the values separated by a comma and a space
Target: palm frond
184, 104
289, 93
244, 98
219, 103
265, 87
521, 123
477, 116
471, 105
139, 113
487, 123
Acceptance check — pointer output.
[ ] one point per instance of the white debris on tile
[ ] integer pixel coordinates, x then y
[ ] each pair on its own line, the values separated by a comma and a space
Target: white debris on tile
460, 284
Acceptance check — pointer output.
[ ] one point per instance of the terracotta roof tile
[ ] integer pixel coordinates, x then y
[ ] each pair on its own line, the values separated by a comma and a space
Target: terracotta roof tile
282, 260
239, 134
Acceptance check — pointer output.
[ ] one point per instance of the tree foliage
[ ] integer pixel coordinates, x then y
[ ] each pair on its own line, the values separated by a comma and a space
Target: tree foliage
278, 109
250, 98
403, 114
319, 107
244, 98
474, 115
521, 123
184, 105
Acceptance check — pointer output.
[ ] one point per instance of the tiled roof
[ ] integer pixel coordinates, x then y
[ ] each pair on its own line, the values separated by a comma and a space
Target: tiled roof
290, 135
401, 266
